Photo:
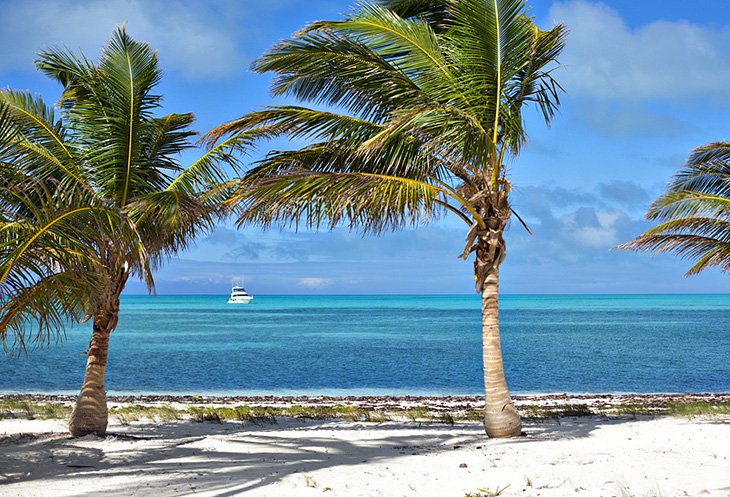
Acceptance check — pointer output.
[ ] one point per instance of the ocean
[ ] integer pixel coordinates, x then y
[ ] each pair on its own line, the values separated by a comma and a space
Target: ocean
395, 345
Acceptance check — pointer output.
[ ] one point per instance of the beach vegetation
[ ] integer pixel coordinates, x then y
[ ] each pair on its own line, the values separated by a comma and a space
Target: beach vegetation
423, 116
163, 413
419, 413
531, 411
446, 418
632, 409
700, 408
28, 408
575, 410
92, 192
694, 212
484, 492
375, 416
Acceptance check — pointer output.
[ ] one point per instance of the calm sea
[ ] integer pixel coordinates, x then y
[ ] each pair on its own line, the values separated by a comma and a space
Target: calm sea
396, 345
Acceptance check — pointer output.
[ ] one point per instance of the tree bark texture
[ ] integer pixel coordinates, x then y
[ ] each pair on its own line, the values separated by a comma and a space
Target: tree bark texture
501, 419
90, 414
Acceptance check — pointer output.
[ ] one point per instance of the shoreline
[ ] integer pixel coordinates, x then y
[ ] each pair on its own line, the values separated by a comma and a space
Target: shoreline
598, 401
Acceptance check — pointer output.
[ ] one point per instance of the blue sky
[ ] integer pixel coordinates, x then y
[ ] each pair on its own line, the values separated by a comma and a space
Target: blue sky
646, 82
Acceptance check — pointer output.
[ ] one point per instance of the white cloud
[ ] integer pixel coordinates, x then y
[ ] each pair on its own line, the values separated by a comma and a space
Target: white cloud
187, 37
315, 282
593, 229
607, 59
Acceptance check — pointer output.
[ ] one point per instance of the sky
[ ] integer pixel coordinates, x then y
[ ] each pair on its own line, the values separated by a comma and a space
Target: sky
646, 82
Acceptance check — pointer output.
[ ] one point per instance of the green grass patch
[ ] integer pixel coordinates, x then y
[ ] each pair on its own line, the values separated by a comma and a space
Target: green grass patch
700, 408
575, 410
26, 409
29, 409
127, 414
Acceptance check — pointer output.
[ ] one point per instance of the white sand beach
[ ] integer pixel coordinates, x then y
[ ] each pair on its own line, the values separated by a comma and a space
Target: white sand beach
590, 456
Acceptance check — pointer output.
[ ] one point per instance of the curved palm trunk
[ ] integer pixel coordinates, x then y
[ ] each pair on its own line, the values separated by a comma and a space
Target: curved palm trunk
500, 416
90, 414
501, 419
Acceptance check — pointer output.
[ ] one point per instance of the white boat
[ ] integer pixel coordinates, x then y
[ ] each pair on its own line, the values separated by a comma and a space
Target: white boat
239, 296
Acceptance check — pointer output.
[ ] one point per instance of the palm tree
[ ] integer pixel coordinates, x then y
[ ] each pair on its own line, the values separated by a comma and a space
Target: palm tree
431, 93
92, 196
694, 212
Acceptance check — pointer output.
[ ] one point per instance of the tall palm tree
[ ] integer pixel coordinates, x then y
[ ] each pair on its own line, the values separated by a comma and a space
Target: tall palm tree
92, 195
694, 212
431, 94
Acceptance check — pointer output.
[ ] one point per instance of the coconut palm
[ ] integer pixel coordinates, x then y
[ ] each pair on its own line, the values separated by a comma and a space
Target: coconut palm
694, 212
424, 108
91, 195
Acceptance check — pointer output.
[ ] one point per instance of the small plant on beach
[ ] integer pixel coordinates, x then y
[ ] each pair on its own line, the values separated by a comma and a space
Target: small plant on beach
484, 492
205, 414
532, 411
416, 414
575, 410
92, 193
446, 418
309, 481
632, 409
424, 103
375, 416
473, 415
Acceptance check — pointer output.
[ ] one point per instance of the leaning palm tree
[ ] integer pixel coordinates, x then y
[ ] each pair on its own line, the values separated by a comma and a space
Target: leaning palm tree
694, 212
425, 102
91, 195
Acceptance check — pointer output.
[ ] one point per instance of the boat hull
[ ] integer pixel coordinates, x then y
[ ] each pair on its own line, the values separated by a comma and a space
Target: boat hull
240, 300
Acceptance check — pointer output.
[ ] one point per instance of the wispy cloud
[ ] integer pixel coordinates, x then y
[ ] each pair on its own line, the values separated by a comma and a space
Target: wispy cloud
315, 282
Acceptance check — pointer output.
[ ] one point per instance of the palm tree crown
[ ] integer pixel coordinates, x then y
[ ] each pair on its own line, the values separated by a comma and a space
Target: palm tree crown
424, 102
694, 212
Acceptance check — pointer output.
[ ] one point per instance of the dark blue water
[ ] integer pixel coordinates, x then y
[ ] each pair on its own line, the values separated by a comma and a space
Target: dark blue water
396, 345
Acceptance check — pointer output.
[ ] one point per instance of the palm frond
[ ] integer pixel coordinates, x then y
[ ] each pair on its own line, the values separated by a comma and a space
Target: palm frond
374, 203
49, 274
322, 65
33, 140
695, 211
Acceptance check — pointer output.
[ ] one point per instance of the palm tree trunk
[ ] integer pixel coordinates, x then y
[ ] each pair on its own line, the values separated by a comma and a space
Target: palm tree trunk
500, 416
90, 414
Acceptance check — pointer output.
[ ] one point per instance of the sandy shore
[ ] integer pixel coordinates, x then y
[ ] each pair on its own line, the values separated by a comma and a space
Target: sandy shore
596, 402
589, 456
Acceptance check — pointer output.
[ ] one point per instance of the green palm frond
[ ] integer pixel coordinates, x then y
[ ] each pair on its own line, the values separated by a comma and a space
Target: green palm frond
434, 11
33, 139
323, 66
374, 203
299, 123
425, 90
408, 44
168, 221
695, 212
49, 267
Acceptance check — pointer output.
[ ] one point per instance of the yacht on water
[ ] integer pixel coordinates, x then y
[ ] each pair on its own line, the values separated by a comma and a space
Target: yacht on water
239, 296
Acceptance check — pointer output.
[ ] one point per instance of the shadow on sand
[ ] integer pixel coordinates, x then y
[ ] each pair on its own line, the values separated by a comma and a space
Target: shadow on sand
231, 458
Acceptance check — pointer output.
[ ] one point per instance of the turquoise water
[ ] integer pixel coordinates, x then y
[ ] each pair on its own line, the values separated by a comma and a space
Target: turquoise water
396, 345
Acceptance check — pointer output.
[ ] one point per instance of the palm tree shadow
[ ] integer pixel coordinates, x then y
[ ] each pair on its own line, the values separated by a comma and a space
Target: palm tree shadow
230, 458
